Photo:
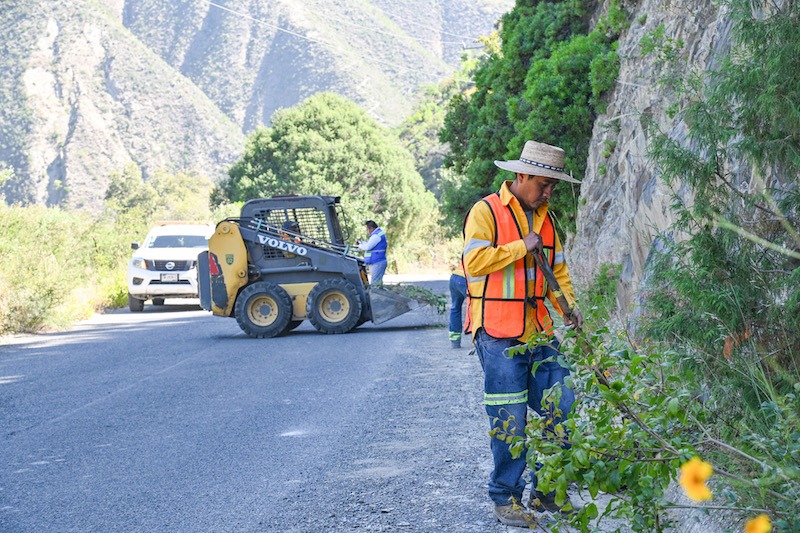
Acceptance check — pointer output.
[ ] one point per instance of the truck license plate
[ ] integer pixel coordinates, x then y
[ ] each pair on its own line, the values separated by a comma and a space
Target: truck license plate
169, 278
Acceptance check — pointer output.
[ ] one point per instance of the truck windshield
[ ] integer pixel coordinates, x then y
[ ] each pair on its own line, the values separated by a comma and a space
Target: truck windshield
178, 241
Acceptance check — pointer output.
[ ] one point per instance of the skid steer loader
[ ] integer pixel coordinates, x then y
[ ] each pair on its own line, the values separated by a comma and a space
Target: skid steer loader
285, 260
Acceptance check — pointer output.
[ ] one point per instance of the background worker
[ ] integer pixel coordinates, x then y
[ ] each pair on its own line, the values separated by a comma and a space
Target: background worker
506, 294
458, 293
375, 247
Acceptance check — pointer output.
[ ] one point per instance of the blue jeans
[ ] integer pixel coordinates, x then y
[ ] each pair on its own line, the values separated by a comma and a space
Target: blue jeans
458, 293
509, 389
376, 271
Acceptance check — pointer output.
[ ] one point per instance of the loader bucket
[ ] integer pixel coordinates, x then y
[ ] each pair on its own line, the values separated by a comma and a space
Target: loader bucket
387, 305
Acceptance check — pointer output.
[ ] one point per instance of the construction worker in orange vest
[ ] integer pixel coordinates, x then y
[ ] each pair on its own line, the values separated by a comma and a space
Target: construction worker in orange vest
506, 308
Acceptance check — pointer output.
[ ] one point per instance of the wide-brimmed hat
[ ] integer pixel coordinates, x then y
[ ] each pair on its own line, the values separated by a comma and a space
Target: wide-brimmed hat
539, 159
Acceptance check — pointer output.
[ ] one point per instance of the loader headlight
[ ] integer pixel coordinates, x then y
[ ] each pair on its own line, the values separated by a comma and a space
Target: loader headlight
138, 262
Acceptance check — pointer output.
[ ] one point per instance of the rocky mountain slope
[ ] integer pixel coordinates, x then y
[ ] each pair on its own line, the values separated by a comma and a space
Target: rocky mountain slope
624, 203
91, 85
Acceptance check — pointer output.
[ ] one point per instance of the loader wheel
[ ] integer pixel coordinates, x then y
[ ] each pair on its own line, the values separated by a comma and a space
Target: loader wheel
263, 309
135, 304
334, 306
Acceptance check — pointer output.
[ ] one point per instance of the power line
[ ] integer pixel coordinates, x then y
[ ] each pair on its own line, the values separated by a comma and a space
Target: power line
399, 35
275, 26
329, 45
418, 24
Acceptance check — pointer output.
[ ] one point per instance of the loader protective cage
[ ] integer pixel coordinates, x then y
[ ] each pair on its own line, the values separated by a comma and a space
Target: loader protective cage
316, 216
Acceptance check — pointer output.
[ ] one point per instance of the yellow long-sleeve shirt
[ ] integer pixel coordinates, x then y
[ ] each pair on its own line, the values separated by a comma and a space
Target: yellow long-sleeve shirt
481, 258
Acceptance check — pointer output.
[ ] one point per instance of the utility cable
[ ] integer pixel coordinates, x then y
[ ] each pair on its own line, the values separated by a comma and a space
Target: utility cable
327, 44
395, 16
275, 26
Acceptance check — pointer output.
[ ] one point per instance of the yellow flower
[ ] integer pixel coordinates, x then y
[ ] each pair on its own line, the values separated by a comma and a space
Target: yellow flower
759, 524
693, 479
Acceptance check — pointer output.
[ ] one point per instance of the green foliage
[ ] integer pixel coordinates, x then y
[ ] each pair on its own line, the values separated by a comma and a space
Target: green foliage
641, 414
546, 84
600, 298
181, 196
419, 133
729, 288
722, 294
130, 197
5, 175
55, 266
421, 294
328, 145
639, 418
665, 49
58, 265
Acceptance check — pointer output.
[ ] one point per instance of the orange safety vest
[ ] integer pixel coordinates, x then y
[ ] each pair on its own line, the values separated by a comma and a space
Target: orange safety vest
504, 294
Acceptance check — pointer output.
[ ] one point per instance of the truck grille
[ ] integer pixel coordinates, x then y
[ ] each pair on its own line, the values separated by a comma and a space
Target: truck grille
180, 266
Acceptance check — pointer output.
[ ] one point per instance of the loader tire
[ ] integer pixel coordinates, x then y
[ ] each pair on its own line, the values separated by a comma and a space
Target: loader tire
135, 304
263, 310
333, 306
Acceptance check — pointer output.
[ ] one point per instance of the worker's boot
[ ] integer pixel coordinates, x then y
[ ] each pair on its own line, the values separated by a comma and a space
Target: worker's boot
547, 502
514, 514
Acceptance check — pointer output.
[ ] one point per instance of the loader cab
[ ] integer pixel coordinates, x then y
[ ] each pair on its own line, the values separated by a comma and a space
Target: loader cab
317, 217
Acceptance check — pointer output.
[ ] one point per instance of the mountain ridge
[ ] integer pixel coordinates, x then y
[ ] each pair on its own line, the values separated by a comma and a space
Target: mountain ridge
98, 84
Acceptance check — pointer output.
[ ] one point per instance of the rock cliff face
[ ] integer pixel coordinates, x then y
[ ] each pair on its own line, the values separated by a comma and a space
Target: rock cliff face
626, 204
90, 86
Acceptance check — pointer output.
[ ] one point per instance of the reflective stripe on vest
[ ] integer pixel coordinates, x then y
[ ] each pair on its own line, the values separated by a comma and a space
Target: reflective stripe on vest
377, 254
504, 294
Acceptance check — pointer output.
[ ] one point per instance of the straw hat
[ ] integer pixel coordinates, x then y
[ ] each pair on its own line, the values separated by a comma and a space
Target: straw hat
539, 159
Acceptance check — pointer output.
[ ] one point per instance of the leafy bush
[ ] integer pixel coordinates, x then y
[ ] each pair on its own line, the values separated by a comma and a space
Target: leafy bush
58, 266
45, 255
546, 83
640, 418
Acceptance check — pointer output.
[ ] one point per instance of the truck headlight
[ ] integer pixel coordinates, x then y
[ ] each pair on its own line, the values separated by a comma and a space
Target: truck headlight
138, 262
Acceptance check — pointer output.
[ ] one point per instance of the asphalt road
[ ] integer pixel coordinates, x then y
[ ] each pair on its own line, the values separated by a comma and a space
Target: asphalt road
174, 420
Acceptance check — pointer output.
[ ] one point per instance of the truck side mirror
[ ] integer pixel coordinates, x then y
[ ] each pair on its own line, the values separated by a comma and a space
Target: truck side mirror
134, 246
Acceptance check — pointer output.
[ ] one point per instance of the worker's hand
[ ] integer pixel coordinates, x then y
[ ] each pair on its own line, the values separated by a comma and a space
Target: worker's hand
533, 242
575, 319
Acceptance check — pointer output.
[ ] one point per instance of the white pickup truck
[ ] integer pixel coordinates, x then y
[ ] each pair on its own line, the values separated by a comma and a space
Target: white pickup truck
165, 265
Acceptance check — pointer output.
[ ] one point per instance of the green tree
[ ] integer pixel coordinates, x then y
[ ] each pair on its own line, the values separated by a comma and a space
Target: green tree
328, 145
543, 83
127, 193
181, 196
420, 131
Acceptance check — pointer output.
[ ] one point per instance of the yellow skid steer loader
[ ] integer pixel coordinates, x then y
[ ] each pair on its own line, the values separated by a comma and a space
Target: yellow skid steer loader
285, 260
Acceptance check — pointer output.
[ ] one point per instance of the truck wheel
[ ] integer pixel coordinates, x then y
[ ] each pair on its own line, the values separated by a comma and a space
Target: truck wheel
263, 309
135, 304
333, 306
